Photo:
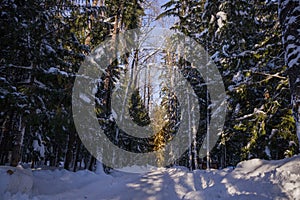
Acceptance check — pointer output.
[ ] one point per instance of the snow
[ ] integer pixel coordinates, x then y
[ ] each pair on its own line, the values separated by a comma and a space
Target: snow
231, 88
267, 151
85, 98
53, 70
237, 109
222, 17
253, 179
224, 48
295, 51
238, 77
292, 20
49, 49
290, 37
15, 180
200, 35
298, 127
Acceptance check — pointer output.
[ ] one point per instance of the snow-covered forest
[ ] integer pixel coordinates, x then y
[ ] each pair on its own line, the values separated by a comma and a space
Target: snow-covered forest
255, 46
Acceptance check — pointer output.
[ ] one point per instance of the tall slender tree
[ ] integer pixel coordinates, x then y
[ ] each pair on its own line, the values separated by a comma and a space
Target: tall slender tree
289, 11
244, 40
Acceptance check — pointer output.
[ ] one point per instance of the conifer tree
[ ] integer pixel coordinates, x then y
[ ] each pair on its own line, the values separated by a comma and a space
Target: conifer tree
289, 12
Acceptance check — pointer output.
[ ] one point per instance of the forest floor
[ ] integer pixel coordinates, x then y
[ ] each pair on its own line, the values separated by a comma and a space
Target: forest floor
254, 179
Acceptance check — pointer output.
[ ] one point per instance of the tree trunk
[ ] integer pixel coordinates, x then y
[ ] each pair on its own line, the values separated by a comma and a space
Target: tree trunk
6, 141
57, 154
78, 148
18, 133
99, 168
92, 163
289, 14
69, 154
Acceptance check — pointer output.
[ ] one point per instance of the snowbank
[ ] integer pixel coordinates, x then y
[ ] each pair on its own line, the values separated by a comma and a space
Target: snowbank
253, 179
15, 180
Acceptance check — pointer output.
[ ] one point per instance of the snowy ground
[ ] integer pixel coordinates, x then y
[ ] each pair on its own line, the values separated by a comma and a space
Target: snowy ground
253, 179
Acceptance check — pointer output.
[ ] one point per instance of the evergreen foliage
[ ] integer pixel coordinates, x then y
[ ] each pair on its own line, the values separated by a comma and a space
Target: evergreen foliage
244, 40
43, 44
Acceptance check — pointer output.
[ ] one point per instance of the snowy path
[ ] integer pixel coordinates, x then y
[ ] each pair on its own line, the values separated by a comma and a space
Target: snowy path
254, 179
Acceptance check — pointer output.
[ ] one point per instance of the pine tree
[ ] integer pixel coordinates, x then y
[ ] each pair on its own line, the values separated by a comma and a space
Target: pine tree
137, 110
38, 85
289, 12
244, 40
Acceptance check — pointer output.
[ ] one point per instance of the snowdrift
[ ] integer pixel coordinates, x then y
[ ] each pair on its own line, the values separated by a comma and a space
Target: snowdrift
254, 179
15, 179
